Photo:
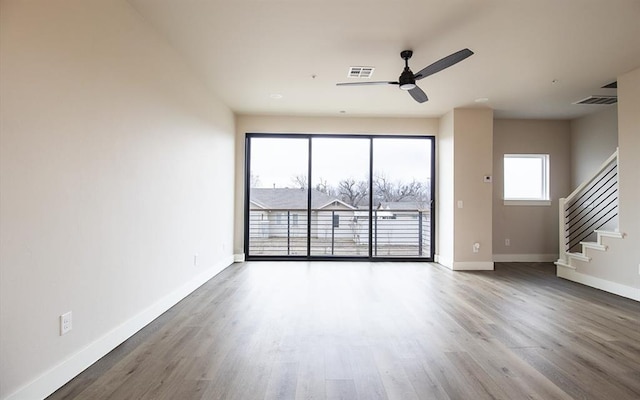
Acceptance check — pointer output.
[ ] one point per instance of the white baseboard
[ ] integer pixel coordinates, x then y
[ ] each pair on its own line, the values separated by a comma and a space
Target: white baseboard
62, 373
525, 257
444, 261
473, 266
238, 257
464, 265
598, 283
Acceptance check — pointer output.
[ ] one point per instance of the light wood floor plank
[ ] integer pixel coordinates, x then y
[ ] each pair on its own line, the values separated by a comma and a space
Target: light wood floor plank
378, 331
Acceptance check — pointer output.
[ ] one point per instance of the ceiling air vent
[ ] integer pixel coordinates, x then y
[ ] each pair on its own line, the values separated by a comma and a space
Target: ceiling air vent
598, 100
360, 72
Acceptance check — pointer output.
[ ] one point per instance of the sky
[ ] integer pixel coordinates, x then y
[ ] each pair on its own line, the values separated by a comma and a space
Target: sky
276, 161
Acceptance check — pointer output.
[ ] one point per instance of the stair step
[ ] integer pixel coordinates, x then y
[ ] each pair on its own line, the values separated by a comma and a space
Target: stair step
579, 256
618, 235
563, 264
594, 245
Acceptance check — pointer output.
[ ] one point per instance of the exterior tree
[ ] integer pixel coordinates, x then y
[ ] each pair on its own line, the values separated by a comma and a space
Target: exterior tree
324, 187
300, 181
389, 191
356, 192
254, 180
352, 192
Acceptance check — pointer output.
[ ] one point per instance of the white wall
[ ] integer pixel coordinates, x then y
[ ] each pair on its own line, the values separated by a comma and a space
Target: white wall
464, 158
473, 143
445, 192
116, 168
593, 139
532, 230
627, 269
339, 125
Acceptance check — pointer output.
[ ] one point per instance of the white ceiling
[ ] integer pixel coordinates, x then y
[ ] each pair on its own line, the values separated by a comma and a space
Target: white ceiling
247, 51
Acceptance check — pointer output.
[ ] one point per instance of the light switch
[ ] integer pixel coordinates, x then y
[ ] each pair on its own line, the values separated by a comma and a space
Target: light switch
460, 204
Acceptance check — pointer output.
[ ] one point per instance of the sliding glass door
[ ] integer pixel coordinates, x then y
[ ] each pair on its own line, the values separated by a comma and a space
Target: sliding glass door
338, 197
278, 199
402, 197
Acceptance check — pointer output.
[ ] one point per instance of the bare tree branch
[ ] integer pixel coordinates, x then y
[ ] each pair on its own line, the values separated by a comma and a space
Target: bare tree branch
351, 191
254, 180
300, 181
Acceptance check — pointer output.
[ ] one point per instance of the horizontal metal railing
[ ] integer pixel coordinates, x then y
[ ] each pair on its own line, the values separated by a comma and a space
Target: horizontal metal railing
592, 206
285, 232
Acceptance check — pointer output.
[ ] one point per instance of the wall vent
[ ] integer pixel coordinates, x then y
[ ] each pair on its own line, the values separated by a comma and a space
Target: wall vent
360, 72
598, 100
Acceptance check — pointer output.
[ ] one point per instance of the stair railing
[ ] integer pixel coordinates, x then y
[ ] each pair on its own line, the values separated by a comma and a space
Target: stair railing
592, 206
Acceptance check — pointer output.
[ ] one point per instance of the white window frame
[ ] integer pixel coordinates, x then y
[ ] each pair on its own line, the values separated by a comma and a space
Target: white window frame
544, 200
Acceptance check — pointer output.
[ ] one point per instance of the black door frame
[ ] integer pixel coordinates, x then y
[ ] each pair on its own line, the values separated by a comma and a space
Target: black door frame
308, 256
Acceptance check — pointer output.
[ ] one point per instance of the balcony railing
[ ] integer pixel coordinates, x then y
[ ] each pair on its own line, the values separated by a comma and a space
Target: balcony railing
284, 232
592, 206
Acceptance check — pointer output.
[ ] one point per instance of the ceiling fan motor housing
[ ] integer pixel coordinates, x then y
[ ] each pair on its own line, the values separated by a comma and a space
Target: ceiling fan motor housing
406, 54
407, 80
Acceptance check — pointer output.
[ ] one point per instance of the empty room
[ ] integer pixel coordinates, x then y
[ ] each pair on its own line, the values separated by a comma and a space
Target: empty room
216, 199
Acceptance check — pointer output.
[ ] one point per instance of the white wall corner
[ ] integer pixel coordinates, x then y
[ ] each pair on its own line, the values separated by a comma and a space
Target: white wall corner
444, 261
473, 266
55, 378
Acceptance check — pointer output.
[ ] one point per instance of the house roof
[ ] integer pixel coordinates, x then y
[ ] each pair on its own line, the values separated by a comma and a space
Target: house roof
403, 205
532, 58
291, 199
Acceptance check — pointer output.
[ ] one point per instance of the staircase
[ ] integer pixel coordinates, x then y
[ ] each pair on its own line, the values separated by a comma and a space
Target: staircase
588, 221
586, 247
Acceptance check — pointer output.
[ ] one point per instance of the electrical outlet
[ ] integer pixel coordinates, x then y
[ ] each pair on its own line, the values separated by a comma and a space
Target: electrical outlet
507, 242
476, 247
66, 323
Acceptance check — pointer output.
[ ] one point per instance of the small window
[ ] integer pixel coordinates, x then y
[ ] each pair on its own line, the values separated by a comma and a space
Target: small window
526, 179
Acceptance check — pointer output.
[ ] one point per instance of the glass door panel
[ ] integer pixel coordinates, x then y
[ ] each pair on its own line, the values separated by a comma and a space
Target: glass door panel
340, 196
278, 196
402, 197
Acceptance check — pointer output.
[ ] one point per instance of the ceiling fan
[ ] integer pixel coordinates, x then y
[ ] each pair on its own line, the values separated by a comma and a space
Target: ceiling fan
407, 80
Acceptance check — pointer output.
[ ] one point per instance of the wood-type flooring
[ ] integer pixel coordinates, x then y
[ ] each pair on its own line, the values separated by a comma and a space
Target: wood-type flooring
299, 330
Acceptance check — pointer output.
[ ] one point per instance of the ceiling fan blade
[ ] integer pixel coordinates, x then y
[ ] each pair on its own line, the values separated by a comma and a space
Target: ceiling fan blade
367, 83
418, 95
443, 63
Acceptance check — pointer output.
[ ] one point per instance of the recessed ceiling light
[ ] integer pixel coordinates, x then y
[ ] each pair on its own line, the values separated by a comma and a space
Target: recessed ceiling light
481, 99
276, 96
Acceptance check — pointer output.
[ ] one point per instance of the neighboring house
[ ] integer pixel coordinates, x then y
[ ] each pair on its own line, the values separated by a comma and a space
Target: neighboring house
282, 212
399, 223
